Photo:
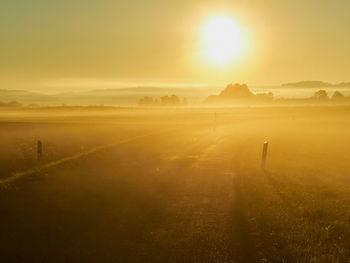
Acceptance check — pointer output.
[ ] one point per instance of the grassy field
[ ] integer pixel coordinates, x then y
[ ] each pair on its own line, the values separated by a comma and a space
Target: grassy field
180, 190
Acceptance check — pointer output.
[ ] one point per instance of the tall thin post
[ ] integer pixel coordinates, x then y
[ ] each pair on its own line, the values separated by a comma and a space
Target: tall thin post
40, 152
264, 155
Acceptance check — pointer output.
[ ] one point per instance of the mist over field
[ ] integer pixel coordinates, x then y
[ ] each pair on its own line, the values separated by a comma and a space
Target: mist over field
195, 96
143, 175
175, 185
174, 131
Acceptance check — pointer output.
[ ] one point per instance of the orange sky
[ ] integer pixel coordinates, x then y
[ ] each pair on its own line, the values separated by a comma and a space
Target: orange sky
68, 44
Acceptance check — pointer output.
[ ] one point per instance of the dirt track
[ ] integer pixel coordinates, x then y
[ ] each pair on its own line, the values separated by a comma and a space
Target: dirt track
152, 200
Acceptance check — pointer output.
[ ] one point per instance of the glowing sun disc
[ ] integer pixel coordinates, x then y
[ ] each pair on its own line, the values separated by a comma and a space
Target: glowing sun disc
223, 40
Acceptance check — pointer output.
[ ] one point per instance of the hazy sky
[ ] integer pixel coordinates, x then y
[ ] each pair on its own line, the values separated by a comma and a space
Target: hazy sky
62, 44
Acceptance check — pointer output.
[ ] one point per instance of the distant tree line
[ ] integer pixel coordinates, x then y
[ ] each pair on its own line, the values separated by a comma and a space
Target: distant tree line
323, 95
337, 96
171, 100
320, 96
240, 94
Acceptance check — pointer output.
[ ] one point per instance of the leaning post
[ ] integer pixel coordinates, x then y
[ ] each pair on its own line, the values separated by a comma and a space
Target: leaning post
264, 155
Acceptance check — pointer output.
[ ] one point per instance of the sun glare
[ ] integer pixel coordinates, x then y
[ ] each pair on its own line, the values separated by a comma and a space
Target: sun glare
223, 40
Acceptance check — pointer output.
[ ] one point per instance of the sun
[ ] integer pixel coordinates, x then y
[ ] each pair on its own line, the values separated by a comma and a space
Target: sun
223, 40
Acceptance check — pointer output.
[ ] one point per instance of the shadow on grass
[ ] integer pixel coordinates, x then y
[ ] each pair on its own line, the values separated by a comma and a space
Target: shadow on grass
254, 228
67, 219
242, 244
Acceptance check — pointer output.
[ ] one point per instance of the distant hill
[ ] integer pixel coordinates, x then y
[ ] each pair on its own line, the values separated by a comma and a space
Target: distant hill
108, 97
10, 104
27, 97
130, 96
316, 84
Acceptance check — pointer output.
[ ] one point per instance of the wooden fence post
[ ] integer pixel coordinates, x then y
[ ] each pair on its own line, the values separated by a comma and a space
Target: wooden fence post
264, 155
40, 152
